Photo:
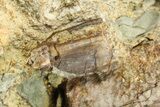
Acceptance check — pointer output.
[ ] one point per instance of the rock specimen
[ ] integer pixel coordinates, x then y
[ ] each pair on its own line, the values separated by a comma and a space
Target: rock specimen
77, 45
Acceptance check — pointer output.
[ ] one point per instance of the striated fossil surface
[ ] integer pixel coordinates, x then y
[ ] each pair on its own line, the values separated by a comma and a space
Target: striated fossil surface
79, 53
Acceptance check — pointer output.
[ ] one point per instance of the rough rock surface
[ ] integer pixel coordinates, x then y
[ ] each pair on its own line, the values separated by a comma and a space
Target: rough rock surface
79, 53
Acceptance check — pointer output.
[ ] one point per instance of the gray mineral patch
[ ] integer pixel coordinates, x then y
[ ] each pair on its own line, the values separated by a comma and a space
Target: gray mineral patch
7, 80
148, 20
131, 32
34, 91
131, 29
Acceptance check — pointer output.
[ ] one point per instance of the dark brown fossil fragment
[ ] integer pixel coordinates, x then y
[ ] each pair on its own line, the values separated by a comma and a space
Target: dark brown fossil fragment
83, 56
78, 62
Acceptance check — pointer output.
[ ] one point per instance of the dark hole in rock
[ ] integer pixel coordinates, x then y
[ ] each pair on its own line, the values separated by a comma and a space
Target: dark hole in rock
56, 57
157, 3
60, 90
54, 97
